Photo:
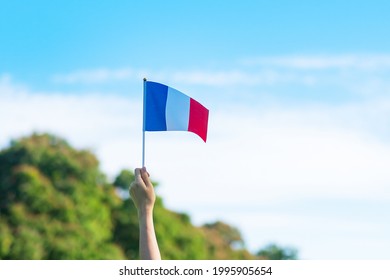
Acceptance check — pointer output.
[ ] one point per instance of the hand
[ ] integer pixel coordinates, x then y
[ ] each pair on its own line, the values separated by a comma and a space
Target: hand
142, 191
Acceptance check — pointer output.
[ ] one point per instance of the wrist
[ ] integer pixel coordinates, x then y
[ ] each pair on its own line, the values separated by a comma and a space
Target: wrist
145, 212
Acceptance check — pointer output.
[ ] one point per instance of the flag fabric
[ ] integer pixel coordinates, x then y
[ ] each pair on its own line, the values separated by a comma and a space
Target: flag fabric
167, 109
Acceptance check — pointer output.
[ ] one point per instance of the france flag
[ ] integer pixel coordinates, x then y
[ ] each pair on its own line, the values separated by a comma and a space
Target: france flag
166, 108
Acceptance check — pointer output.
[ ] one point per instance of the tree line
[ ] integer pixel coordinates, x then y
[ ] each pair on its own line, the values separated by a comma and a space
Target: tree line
55, 203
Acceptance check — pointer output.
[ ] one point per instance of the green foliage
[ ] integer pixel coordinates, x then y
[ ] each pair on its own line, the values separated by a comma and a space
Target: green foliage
231, 236
177, 237
55, 203
274, 252
225, 242
124, 179
6, 238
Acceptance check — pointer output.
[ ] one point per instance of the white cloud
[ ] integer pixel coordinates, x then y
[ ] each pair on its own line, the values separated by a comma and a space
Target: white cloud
215, 78
253, 156
227, 78
321, 62
306, 151
100, 75
210, 78
87, 121
359, 75
329, 237
257, 160
8, 88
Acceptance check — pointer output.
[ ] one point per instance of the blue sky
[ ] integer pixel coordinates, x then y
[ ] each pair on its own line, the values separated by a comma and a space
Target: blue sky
298, 93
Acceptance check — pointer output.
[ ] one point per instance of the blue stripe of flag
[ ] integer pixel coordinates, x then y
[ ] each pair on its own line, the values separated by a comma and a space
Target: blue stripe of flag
155, 104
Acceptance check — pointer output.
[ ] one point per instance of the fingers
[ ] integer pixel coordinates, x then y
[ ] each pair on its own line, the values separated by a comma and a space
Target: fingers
143, 169
142, 175
137, 172
145, 177
141, 190
138, 181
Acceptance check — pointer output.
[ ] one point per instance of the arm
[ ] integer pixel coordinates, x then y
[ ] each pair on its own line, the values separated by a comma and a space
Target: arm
142, 193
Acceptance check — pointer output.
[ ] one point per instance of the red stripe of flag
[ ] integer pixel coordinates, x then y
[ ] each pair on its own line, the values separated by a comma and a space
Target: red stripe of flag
198, 120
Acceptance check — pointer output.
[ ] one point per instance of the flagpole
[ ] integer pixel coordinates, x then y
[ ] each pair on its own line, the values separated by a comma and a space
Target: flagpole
143, 125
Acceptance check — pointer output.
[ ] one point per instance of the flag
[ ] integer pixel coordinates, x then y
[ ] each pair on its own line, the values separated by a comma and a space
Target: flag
167, 109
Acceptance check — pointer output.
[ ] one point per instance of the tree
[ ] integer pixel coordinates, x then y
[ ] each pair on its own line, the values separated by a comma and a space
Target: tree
54, 202
124, 179
225, 242
274, 252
